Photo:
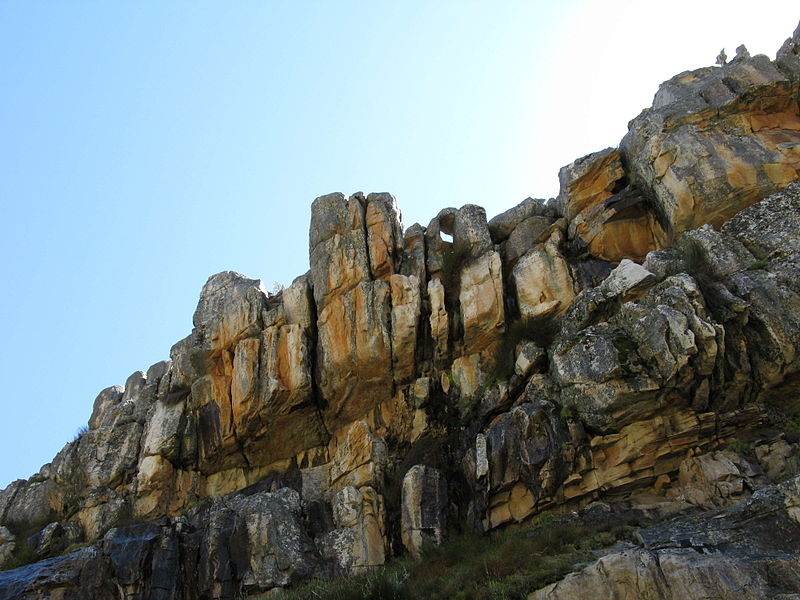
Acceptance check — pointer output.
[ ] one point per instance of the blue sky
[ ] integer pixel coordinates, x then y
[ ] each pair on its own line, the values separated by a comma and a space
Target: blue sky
147, 145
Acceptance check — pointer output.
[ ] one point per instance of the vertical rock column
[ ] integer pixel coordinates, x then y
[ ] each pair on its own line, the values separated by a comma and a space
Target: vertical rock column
354, 246
481, 281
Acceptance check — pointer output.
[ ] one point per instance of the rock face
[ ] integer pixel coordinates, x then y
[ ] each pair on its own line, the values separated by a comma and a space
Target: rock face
606, 214
703, 557
639, 335
716, 140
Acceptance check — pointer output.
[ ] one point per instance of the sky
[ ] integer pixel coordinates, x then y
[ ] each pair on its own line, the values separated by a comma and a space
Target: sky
145, 146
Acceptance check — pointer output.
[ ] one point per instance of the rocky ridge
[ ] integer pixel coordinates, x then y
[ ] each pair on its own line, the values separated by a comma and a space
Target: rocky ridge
606, 345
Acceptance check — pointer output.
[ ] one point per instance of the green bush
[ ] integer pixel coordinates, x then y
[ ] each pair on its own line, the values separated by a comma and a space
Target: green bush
23, 554
383, 583
625, 346
566, 413
739, 446
80, 432
758, 264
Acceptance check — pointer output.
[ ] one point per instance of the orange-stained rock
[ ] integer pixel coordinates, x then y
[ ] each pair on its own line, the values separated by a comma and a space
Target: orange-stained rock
608, 216
716, 140
384, 234
229, 309
543, 281
481, 299
361, 511
439, 321
219, 448
155, 480
354, 359
358, 457
406, 306
337, 246
468, 375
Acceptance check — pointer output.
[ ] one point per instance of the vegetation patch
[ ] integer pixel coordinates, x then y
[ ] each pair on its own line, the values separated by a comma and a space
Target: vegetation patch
625, 347
792, 425
23, 554
758, 264
79, 433
505, 566
739, 446
696, 264
567, 413
194, 504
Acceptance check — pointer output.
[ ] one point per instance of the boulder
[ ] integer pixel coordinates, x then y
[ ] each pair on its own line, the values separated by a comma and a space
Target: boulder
609, 217
715, 141
423, 508
543, 281
501, 226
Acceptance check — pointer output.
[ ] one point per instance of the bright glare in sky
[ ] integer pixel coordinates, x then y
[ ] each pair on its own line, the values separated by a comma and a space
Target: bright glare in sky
146, 146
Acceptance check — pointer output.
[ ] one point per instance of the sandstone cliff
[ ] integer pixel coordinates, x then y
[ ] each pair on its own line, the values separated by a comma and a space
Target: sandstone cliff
604, 345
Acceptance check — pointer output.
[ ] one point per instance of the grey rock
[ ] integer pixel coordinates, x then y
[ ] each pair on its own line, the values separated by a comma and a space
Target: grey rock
470, 228
529, 355
525, 236
501, 226
413, 262
153, 379
33, 504
745, 552
423, 508
229, 309
524, 446
769, 229
788, 58
435, 244
7, 545
337, 245
384, 234
106, 399
297, 301
741, 53
134, 386
627, 280
713, 86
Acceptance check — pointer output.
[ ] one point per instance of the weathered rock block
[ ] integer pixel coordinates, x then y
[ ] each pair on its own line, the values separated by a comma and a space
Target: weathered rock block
354, 352
716, 141
543, 281
606, 214
423, 508
481, 299
406, 308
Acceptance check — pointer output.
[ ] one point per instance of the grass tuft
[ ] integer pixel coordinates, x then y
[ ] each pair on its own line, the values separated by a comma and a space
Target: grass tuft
23, 554
739, 446
505, 566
